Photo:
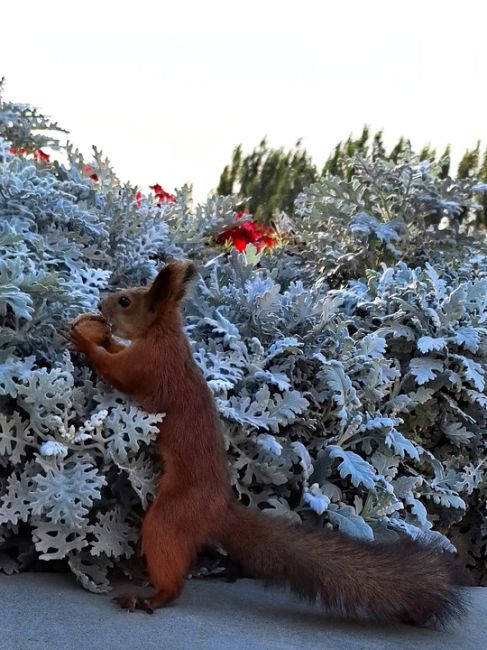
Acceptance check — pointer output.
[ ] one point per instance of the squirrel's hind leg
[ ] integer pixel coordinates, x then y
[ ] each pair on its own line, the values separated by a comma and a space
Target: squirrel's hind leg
169, 546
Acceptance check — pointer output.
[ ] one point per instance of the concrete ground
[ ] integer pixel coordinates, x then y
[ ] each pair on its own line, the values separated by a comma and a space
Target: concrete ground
40, 611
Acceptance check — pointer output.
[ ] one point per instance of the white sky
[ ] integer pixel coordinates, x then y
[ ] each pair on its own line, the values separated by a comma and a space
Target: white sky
167, 89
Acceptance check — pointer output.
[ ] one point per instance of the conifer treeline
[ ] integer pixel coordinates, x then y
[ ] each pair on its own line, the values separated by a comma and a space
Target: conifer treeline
268, 180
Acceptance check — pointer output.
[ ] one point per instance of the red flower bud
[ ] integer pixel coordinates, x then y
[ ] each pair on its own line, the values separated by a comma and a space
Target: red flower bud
41, 156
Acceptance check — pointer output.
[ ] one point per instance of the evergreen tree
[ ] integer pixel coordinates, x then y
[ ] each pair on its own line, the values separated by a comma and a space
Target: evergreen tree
427, 153
444, 162
267, 180
378, 149
399, 149
483, 178
469, 163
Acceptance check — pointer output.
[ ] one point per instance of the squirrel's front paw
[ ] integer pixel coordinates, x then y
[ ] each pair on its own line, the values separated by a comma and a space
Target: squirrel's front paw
76, 340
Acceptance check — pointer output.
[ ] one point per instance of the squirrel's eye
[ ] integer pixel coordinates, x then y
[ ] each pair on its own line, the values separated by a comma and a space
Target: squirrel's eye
124, 301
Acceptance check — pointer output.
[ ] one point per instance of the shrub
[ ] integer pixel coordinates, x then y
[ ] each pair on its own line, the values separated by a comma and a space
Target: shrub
347, 364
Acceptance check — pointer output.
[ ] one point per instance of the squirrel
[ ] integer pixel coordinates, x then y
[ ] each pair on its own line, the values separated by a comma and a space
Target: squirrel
405, 581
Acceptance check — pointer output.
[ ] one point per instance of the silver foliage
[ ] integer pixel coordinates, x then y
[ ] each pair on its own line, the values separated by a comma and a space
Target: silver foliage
348, 366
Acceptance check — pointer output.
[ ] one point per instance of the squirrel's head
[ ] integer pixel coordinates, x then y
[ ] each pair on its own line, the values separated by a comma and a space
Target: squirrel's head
131, 312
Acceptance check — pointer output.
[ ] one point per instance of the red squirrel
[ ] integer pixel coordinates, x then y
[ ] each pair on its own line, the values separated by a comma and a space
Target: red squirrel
194, 506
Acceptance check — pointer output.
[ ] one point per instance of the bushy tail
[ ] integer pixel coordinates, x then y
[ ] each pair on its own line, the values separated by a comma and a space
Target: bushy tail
401, 581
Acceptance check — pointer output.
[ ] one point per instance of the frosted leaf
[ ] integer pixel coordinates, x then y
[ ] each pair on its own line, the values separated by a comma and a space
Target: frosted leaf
272, 376
428, 344
269, 443
288, 344
142, 474
46, 396
64, 491
114, 535
304, 458
91, 572
427, 537
276, 507
16, 502
219, 386
285, 407
474, 373
419, 512
263, 295
424, 369
381, 422
316, 500
221, 325
54, 541
363, 225
359, 470
12, 372
349, 522
130, 427
331, 490
335, 378
404, 486
53, 448
472, 477
448, 499
11, 295
401, 445
454, 305
95, 279
263, 472
399, 331
15, 435
439, 285
385, 464
468, 337
457, 433
245, 411
385, 502
220, 367
477, 397
422, 395
373, 346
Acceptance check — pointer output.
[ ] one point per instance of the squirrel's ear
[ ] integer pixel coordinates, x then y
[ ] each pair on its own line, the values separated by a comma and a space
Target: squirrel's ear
172, 282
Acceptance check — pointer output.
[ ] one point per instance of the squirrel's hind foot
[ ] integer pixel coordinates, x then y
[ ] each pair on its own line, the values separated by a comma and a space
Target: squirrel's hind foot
131, 602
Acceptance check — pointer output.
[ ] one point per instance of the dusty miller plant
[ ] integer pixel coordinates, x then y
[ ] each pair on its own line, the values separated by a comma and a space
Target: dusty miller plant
349, 400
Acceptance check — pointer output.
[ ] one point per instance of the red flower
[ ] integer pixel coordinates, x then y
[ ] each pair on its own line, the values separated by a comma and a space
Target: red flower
266, 241
162, 195
247, 233
138, 198
89, 171
239, 243
41, 156
21, 151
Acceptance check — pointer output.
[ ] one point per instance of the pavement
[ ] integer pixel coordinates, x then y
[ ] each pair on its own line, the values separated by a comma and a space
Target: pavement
44, 611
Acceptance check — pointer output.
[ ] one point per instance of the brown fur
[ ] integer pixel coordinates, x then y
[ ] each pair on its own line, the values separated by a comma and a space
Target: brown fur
404, 581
